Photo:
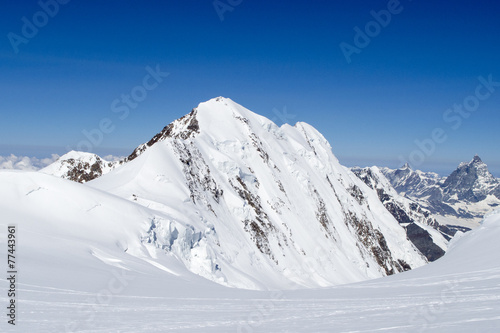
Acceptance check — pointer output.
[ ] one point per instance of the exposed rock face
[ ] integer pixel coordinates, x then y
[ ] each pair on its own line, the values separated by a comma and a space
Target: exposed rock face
424, 242
182, 128
408, 213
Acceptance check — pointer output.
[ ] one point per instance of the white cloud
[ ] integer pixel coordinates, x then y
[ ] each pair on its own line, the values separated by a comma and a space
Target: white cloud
113, 158
26, 163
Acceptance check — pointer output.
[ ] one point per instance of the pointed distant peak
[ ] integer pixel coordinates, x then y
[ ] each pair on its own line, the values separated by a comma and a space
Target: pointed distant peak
219, 99
476, 159
406, 166
224, 109
218, 105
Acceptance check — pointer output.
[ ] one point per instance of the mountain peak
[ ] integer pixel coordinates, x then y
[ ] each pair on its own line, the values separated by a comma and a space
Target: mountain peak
219, 117
216, 100
471, 181
476, 159
406, 166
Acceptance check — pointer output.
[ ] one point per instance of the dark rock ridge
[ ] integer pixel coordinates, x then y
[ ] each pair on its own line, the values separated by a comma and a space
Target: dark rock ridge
182, 128
424, 242
406, 212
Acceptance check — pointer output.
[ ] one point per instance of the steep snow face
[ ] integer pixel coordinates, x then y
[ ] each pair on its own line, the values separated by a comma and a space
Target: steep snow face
430, 237
469, 192
69, 233
269, 206
80, 167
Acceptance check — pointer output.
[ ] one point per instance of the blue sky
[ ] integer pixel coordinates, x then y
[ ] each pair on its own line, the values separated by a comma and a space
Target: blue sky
281, 59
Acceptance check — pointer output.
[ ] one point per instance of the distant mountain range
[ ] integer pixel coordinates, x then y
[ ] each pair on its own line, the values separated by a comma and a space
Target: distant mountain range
469, 192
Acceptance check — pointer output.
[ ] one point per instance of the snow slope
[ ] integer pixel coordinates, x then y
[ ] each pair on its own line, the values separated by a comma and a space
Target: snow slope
263, 200
70, 230
70, 289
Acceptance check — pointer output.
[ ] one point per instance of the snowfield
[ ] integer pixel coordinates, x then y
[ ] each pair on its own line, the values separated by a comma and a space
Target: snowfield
64, 288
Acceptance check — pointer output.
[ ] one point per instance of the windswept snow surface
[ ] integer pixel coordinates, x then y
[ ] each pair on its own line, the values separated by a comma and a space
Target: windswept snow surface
71, 280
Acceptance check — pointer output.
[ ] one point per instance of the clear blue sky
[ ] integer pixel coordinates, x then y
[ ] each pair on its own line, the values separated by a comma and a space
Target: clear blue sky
265, 55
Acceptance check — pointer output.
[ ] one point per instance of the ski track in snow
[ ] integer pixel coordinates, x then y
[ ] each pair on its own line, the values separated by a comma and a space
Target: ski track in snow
462, 302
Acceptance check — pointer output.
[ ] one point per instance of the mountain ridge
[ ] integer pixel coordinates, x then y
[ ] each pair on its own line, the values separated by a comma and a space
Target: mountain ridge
469, 192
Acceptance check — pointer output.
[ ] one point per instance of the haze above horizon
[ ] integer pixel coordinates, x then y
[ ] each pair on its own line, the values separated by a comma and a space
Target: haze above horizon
385, 82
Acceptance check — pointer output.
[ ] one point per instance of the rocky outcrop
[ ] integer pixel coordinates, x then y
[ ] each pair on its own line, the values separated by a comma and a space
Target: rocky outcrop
79, 167
408, 213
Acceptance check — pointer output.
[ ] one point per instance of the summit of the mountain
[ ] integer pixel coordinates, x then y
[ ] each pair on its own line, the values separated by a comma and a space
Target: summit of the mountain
406, 166
217, 116
470, 182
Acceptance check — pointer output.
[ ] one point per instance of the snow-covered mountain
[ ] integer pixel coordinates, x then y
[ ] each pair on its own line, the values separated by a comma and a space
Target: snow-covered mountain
469, 192
80, 167
259, 206
120, 252
430, 237
414, 183
471, 182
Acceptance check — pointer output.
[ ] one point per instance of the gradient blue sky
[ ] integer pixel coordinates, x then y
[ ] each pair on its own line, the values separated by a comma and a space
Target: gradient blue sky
265, 55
